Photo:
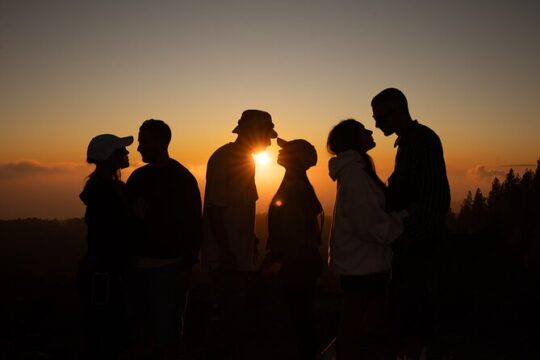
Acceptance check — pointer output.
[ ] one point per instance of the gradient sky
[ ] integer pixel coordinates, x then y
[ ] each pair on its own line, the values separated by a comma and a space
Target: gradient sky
70, 70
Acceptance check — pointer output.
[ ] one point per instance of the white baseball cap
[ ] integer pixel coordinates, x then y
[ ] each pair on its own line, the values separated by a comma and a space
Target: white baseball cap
102, 146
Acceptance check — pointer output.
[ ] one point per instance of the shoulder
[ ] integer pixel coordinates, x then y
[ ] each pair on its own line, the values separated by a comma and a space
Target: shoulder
223, 152
354, 172
96, 190
182, 171
221, 159
137, 173
426, 136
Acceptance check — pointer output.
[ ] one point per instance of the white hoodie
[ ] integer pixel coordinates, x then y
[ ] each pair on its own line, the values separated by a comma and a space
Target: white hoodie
362, 230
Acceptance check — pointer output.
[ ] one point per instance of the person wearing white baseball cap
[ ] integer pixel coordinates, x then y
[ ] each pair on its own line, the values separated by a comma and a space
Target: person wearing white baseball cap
100, 274
101, 147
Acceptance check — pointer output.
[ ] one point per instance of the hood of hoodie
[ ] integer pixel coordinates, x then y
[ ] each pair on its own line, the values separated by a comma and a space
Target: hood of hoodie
342, 161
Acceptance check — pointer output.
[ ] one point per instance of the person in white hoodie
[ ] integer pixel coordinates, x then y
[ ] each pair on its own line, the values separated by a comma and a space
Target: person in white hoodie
360, 244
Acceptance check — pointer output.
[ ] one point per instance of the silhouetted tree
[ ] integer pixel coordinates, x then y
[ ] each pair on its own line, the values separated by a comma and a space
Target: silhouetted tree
464, 218
495, 193
510, 213
478, 212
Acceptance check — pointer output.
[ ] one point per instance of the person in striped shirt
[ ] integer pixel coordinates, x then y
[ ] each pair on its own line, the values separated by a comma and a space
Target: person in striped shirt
420, 185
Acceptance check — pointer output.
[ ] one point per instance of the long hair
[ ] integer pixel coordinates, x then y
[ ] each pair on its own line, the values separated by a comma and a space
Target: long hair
99, 168
344, 137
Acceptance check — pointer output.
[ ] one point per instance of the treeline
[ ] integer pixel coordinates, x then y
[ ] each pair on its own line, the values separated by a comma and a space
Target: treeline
509, 215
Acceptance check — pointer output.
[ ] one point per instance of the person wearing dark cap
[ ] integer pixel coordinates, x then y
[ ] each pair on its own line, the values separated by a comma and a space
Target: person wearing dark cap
295, 220
100, 275
228, 250
419, 184
167, 208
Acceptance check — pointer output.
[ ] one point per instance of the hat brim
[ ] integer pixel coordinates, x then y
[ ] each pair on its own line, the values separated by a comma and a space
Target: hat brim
273, 133
281, 142
124, 142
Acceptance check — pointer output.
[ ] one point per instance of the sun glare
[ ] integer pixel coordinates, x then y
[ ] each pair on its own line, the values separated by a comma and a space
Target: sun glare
262, 158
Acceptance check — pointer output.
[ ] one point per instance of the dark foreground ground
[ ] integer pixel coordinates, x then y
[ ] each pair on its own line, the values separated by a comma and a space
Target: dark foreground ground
489, 305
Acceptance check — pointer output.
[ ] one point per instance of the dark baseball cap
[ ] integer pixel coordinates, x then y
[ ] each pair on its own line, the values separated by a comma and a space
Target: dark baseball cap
303, 152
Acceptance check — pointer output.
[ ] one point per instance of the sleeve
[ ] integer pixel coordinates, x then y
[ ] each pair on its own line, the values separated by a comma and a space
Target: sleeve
365, 210
193, 225
433, 200
216, 181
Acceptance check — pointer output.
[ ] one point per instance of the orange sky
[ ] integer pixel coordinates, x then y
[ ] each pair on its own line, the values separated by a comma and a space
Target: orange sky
70, 71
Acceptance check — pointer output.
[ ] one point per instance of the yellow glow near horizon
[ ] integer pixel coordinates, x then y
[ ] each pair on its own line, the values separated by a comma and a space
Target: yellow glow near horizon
262, 158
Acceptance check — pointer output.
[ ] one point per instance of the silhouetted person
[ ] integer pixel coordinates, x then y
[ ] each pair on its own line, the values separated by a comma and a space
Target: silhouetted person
419, 184
167, 206
360, 244
228, 250
294, 237
100, 276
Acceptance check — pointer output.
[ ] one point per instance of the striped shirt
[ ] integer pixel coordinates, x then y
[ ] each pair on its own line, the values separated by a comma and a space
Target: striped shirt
419, 184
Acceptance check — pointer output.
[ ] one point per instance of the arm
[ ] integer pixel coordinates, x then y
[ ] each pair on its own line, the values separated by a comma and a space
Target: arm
217, 226
365, 209
215, 205
193, 225
430, 207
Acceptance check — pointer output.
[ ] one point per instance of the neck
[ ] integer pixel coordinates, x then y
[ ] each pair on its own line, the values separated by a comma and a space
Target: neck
294, 174
243, 143
404, 126
104, 173
161, 160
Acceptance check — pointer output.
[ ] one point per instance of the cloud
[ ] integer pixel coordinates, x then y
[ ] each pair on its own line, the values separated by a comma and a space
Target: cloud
28, 168
484, 173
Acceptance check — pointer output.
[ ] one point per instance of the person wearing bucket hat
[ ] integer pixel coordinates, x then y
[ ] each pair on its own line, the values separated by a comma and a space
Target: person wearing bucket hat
100, 273
229, 247
295, 220
230, 195
256, 122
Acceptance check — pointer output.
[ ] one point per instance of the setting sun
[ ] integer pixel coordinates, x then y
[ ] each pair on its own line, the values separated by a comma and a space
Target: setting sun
262, 158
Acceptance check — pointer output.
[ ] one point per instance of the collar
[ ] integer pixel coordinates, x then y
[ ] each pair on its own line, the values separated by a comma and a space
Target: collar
403, 138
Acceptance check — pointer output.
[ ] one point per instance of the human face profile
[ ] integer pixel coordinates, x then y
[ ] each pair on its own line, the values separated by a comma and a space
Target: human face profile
148, 146
122, 158
285, 157
385, 117
366, 139
259, 141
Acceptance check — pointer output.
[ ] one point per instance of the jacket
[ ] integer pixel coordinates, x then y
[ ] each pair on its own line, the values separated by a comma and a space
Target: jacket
362, 231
